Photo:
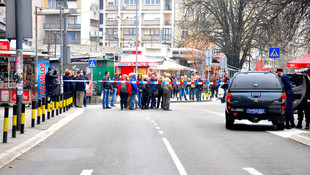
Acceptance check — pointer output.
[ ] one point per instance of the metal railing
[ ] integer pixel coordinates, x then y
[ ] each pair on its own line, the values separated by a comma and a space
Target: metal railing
57, 26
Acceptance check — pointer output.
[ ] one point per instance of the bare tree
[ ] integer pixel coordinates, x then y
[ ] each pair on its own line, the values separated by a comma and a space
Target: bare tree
240, 25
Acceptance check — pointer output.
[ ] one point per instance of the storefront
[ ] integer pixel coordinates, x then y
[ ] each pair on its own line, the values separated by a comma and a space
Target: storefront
8, 78
130, 67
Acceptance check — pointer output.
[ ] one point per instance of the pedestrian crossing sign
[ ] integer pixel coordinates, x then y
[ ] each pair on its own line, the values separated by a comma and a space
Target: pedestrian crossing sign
274, 52
92, 63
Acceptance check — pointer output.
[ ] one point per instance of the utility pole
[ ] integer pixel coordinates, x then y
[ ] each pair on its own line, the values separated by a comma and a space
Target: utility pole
19, 58
65, 43
61, 59
136, 38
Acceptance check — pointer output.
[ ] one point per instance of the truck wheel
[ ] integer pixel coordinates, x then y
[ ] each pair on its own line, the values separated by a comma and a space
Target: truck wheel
280, 126
229, 121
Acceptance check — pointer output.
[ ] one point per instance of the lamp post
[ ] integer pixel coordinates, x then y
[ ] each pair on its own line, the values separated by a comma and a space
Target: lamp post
136, 38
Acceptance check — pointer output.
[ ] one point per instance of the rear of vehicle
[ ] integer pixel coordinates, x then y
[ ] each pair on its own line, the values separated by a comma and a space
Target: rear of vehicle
256, 96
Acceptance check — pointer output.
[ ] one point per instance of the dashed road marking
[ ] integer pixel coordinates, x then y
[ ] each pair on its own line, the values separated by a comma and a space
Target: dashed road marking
157, 127
155, 124
175, 158
152, 121
161, 132
252, 171
86, 172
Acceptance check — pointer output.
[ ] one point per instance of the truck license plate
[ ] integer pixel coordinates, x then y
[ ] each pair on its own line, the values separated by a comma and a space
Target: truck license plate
255, 111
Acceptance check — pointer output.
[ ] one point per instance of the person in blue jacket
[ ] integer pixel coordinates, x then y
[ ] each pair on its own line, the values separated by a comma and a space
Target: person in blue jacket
198, 88
66, 77
289, 98
134, 90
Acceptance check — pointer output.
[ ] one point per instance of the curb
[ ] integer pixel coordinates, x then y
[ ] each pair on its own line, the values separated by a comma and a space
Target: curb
12, 154
301, 139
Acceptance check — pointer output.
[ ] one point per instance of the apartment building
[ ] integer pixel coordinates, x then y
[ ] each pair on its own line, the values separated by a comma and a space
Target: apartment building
118, 22
82, 25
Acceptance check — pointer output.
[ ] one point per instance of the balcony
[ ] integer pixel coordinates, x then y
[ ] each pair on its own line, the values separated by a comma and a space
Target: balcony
167, 23
52, 41
151, 23
75, 11
57, 26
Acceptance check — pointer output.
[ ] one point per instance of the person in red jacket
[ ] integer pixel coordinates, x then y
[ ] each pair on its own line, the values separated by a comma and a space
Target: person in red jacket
124, 90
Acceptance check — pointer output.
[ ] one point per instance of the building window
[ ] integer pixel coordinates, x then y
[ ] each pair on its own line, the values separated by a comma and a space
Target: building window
166, 34
130, 31
112, 2
94, 23
101, 18
184, 31
100, 43
131, 2
100, 29
152, 2
101, 4
130, 16
149, 32
111, 31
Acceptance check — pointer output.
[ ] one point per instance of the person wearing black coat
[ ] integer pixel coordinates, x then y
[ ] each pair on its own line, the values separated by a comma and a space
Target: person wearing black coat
198, 88
56, 83
146, 95
49, 83
87, 82
160, 93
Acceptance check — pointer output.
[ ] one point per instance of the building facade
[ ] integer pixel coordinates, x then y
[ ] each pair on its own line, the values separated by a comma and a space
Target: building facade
118, 22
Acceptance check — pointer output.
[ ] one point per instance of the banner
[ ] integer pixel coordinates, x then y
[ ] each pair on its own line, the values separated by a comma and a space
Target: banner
42, 70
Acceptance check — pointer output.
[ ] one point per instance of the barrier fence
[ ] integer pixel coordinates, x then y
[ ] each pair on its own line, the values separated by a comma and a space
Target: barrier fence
152, 82
63, 103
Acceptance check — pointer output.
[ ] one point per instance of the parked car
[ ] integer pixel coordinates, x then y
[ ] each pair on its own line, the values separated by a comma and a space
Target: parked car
299, 84
256, 96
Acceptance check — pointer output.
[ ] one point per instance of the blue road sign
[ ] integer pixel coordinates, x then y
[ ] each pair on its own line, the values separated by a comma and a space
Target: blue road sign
92, 63
274, 52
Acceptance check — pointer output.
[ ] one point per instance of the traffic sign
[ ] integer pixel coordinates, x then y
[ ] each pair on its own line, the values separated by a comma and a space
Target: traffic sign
4, 45
274, 52
92, 63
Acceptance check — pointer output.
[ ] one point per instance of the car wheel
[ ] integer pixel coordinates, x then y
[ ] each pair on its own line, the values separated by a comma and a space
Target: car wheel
229, 121
275, 122
280, 126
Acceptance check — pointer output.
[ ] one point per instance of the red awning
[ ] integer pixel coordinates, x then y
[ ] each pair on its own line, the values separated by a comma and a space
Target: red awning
300, 63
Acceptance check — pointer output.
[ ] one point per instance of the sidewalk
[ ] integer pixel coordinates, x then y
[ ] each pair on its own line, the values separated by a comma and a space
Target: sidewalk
32, 136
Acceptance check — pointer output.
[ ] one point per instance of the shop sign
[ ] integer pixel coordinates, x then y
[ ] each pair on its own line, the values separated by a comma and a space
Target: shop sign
5, 96
42, 70
26, 96
4, 45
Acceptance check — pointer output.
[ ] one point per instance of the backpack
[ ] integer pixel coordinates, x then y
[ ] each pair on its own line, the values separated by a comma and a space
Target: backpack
124, 88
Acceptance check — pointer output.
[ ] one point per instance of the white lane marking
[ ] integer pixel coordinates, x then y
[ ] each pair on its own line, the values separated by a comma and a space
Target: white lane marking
287, 133
155, 124
147, 118
87, 172
161, 132
174, 157
217, 113
157, 127
152, 121
252, 171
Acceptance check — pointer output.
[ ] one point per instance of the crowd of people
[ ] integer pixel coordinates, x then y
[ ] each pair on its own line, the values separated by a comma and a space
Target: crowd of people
78, 87
157, 95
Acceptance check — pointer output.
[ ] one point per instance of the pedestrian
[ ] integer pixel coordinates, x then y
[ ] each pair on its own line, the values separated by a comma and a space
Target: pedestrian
79, 88
74, 85
49, 84
87, 85
182, 89
139, 93
205, 90
217, 86
123, 90
225, 87
198, 88
153, 88
134, 90
66, 79
304, 107
106, 90
146, 94
212, 85
175, 88
56, 83
166, 92
289, 98
192, 88
160, 92
115, 86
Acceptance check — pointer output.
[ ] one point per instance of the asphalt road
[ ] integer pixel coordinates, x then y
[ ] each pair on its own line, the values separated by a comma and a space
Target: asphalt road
191, 139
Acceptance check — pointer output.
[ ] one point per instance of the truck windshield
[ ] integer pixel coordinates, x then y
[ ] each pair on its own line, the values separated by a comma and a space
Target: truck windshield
256, 81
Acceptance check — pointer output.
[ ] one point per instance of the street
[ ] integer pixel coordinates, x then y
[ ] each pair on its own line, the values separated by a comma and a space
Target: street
190, 139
